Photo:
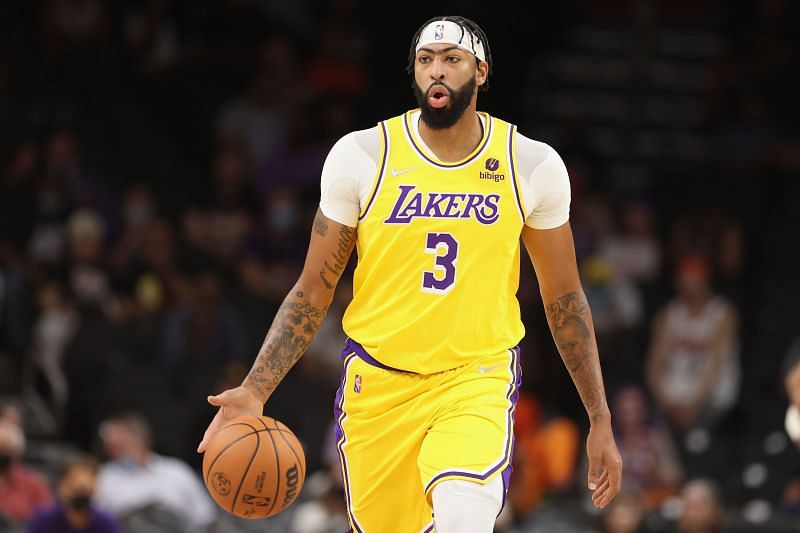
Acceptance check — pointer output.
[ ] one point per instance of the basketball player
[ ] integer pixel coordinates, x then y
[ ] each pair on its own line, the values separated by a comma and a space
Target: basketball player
436, 200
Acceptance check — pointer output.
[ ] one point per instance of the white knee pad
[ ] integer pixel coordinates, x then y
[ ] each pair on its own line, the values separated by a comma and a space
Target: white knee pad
466, 507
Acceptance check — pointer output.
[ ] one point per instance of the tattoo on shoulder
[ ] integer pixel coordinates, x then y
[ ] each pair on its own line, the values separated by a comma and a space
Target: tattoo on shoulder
320, 223
331, 270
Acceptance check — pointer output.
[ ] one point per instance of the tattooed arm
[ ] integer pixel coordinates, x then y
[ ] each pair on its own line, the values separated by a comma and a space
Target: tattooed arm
553, 255
295, 323
302, 311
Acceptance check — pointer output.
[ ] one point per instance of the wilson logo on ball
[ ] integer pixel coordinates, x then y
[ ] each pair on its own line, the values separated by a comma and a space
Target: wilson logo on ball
292, 479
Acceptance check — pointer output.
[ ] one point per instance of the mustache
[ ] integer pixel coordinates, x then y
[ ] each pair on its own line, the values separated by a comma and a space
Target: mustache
439, 84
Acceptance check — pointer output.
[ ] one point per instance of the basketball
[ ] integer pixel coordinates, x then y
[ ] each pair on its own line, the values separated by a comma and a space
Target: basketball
254, 467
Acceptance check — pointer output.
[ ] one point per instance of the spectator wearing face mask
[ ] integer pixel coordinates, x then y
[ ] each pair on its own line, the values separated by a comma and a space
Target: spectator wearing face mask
75, 511
22, 490
147, 491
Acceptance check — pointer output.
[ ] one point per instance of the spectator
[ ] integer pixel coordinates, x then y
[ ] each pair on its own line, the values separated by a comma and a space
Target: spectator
255, 118
323, 510
87, 276
791, 373
22, 491
18, 201
789, 504
634, 251
203, 339
75, 511
545, 456
11, 412
625, 514
151, 37
617, 313
791, 385
52, 331
652, 464
155, 487
702, 510
693, 360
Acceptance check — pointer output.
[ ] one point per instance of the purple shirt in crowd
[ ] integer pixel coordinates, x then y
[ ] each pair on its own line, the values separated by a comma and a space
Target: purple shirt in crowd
54, 520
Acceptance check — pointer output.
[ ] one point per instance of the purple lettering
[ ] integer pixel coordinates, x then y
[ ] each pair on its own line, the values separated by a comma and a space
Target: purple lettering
490, 212
451, 211
395, 217
411, 204
473, 202
434, 204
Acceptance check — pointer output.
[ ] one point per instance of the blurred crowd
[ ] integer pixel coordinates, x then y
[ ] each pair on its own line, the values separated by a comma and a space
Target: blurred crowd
159, 167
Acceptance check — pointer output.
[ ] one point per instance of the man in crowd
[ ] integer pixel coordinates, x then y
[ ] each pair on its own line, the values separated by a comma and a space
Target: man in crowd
154, 485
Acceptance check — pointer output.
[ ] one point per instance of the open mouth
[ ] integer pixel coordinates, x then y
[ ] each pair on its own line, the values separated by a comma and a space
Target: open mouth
437, 96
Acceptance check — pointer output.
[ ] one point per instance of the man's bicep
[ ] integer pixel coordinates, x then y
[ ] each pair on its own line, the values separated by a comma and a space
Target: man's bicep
552, 252
328, 252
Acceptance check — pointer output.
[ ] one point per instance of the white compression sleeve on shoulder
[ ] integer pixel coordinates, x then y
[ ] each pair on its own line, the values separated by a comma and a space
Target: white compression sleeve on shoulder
467, 507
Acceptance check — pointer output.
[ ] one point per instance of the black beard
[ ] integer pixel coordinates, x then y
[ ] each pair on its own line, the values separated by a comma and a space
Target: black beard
447, 116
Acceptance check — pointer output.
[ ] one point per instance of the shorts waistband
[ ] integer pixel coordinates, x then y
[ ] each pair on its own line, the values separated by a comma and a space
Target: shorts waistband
351, 346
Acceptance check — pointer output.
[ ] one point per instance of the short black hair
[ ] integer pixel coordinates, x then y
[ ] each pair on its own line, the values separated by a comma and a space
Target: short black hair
466, 25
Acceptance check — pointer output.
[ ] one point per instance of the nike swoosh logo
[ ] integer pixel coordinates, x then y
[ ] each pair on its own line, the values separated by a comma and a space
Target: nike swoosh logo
396, 172
486, 369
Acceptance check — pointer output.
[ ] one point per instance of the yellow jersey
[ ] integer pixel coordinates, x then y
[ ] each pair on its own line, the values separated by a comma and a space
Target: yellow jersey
438, 247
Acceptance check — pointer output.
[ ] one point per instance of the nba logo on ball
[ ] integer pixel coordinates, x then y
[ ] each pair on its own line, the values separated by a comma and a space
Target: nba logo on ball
357, 384
492, 164
438, 32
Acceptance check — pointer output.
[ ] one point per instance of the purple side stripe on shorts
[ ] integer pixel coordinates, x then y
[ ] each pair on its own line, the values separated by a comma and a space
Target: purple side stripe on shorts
512, 396
339, 416
352, 346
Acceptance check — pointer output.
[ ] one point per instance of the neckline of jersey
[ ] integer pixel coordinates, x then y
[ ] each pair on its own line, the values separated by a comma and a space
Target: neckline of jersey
411, 123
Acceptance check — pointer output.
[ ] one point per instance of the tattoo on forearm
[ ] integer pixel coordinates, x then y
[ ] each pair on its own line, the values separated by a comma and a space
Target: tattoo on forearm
331, 272
298, 319
288, 338
570, 323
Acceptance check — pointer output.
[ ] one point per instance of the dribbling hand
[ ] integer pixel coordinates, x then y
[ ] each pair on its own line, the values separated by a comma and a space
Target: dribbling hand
231, 403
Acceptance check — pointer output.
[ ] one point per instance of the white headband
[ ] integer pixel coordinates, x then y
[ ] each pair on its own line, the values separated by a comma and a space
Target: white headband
448, 32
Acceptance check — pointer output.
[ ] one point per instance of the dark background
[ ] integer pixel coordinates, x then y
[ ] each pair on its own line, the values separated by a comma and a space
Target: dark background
220, 114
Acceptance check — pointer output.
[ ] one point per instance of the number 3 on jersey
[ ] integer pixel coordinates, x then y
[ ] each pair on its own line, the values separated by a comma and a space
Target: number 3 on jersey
445, 247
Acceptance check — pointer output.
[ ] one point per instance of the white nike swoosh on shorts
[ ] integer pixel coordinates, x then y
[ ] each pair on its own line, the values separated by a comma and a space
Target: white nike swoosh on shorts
486, 369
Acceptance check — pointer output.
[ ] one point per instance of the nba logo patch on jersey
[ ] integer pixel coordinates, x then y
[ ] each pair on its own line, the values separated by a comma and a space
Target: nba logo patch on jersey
357, 384
438, 32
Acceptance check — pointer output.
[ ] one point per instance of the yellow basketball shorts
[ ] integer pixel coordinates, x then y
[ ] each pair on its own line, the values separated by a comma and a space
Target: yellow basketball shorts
399, 434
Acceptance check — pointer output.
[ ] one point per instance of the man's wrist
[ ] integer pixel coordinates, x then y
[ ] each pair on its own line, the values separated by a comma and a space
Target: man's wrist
257, 392
602, 417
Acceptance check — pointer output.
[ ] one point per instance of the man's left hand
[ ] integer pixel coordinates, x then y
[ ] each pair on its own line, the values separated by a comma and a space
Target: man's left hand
605, 464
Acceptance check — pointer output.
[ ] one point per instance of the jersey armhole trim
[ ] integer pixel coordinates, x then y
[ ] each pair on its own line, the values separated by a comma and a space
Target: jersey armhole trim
376, 182
512, 158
